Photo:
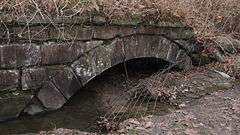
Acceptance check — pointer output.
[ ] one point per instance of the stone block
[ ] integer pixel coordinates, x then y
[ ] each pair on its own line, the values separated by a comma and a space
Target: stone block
110, 32
200, 59
36, 33
65, 80
173, 33
172, 53
8, 57
65, 33
60, 84
183, 60
139, 46
77, 32
9, 79
19, 55
189, 45
179, 33
93, 63
118, 52
33, 78
105, 32
61, 53
51, 97
46, 33
92, 45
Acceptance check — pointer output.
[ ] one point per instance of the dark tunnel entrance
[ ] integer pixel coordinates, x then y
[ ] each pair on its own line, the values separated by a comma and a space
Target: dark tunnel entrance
105, 95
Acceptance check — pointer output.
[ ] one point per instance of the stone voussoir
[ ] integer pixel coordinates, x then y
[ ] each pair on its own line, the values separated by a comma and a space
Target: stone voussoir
93, 63
51, 97
64, 80
183, 60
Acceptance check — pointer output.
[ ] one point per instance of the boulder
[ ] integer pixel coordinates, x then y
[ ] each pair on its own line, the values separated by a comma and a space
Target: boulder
227, 44
200, 59
203, 82
219, 56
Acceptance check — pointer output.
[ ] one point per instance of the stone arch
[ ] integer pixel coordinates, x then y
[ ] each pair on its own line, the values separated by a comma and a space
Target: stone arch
123, 49
65, 81
60, 60
56, 71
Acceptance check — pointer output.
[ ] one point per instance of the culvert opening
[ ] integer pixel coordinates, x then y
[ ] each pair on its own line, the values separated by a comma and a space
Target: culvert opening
102, 103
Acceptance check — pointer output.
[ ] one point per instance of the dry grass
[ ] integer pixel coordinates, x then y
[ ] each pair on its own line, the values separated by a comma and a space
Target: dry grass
209, 18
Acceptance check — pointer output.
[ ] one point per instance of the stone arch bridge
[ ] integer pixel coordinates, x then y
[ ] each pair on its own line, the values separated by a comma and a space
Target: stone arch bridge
42, 65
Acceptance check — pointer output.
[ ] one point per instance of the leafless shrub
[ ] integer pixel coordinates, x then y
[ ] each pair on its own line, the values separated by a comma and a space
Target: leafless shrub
156, 86
209, 18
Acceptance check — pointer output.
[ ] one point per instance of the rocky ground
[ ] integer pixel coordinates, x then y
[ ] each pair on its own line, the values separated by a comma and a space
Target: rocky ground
216, 114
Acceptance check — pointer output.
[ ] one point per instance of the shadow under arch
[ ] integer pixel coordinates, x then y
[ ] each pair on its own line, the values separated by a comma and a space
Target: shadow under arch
130, 71
145, 65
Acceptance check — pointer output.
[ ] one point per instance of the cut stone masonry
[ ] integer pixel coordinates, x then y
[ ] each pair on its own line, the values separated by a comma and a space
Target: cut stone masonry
51, 64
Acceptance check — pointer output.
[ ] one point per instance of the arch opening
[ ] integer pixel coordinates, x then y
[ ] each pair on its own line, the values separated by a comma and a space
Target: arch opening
146, 65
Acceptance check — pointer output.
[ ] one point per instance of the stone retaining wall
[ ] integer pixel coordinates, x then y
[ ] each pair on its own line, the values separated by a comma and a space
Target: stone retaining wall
42, 65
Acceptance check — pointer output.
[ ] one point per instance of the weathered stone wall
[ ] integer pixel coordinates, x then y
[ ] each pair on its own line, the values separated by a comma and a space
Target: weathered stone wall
42, 65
